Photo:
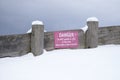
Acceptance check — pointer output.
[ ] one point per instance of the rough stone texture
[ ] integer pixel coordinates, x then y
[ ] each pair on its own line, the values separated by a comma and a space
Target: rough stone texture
49, 40
92, 34
37, 39
109, 35
14, 45
81, 38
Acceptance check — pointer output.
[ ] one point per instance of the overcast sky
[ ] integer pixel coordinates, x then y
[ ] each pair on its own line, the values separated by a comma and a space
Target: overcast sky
16, 16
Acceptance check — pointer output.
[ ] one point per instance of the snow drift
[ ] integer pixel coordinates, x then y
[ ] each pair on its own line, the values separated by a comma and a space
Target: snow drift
100, 63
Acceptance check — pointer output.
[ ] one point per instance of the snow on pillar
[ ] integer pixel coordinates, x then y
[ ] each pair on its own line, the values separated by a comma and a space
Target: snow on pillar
37, 38
92, 33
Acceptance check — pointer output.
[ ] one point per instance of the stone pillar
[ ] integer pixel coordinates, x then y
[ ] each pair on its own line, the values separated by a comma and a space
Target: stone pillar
37, 38
92, 33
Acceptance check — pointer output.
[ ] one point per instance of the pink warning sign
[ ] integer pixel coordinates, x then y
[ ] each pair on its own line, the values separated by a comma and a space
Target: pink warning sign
66, 39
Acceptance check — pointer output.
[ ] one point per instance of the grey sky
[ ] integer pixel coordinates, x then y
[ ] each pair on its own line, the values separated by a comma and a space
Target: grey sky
16, 16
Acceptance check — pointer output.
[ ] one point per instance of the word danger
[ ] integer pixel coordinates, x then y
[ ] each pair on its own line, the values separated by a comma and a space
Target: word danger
66, 39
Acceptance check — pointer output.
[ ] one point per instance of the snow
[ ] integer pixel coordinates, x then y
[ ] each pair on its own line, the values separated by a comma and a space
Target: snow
102, 63
92, 19
89, 19
37, 22
30, 30
85, 28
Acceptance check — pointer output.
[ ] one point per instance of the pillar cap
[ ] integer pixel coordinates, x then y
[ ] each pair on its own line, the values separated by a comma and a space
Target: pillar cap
92, 19
37, 22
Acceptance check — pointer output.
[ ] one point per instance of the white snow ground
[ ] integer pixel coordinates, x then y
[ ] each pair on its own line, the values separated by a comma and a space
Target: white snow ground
102, 63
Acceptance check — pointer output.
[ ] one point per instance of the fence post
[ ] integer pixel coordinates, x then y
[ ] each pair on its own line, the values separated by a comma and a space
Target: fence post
92, 33
37, 38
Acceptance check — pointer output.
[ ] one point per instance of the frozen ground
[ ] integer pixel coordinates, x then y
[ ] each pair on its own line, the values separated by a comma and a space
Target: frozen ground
102, 63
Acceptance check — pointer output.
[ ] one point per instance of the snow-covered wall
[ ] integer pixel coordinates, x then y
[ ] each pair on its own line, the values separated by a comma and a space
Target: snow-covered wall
89, 37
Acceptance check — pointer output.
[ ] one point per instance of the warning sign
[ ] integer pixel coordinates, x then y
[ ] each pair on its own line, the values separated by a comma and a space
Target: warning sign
66, 39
